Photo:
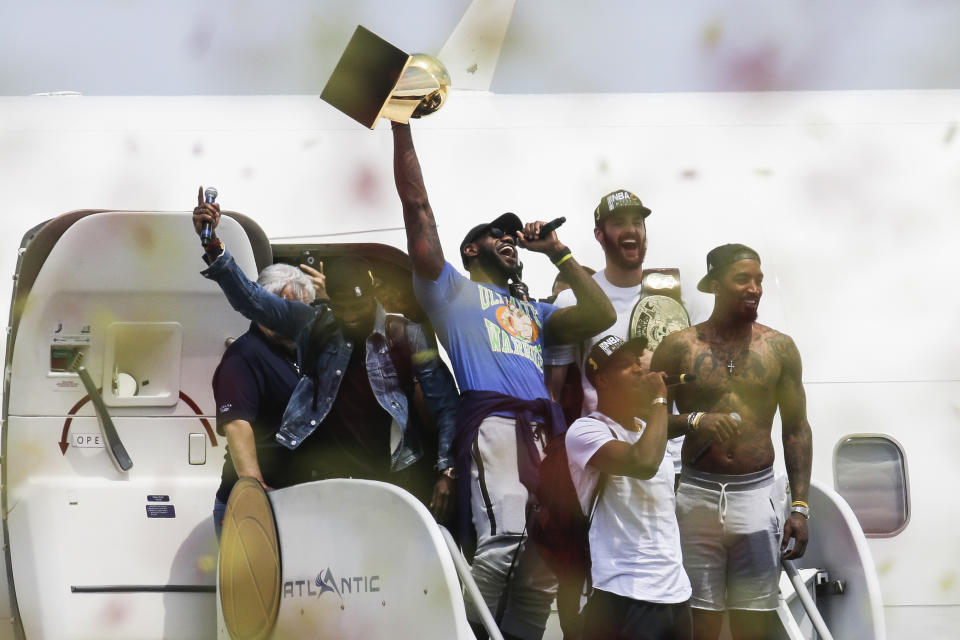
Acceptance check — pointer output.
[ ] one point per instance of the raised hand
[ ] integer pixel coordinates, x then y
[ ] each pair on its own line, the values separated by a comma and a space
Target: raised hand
529, 238
318, 279
205, 212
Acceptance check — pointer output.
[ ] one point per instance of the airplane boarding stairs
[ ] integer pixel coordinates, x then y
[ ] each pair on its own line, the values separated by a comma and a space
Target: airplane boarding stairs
363, 559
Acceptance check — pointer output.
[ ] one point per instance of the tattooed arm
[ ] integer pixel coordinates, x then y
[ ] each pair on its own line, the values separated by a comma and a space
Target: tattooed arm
797, 438
668, 358
672, 357
423, 242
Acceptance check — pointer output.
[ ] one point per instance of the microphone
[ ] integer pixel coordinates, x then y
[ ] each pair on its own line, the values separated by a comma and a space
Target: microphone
706, 446
680, 378
550, 227
206, 229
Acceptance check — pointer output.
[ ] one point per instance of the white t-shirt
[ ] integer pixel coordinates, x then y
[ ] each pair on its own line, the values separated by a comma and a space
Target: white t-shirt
623, 300
634, 537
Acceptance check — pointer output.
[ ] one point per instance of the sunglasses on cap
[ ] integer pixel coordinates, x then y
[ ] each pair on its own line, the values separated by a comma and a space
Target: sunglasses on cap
496, 232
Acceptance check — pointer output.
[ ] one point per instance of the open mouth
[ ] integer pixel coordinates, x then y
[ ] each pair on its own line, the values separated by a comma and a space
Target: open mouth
507, 251
630, 245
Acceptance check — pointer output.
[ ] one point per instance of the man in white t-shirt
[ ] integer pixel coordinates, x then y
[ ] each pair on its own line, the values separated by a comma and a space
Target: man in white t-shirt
620, 228
617, 463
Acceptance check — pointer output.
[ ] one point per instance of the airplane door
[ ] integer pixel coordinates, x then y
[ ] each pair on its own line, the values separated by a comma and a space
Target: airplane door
98, 547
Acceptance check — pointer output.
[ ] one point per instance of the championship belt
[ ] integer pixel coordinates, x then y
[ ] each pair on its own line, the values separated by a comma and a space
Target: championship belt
659, 311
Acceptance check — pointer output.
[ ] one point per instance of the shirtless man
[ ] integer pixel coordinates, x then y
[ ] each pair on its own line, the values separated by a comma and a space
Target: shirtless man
729, 517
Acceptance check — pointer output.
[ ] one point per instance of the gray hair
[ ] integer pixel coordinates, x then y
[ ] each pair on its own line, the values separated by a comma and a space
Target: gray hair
276, 277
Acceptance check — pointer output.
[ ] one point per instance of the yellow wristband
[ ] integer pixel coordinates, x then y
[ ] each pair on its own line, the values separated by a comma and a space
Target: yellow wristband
563, 259
799, 503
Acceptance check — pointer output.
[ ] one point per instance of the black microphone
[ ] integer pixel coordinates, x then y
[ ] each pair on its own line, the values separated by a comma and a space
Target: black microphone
549, 228
679, 378
206, 229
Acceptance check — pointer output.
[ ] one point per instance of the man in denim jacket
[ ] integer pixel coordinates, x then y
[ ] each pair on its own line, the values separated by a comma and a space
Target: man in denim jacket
361, 397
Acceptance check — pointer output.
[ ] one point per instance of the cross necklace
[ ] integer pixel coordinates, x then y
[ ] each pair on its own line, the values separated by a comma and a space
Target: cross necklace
730, 355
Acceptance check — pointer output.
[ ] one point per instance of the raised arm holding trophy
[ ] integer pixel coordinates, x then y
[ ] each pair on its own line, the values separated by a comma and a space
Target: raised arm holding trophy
494, 339
375, 79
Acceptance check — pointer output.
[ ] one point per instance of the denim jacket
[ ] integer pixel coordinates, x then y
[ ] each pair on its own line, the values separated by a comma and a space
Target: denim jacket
313, 396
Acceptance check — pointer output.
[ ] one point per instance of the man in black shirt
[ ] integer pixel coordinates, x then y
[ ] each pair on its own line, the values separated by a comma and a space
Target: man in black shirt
251, 386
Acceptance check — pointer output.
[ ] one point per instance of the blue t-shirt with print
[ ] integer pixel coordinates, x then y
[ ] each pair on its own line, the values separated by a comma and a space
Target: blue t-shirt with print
495, 341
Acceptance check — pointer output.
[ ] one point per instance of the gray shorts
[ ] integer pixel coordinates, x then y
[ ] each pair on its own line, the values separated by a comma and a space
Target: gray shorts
730, 530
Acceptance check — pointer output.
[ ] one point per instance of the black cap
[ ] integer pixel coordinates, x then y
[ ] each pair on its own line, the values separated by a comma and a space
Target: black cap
508, 222
618, 201
349, 277
724, 256
606, 348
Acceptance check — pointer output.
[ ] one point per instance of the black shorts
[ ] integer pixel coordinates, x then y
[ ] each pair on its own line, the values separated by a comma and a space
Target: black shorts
608, 616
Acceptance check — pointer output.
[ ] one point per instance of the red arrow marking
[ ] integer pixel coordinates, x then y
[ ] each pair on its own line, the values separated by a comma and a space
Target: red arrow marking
64, 443
196, 410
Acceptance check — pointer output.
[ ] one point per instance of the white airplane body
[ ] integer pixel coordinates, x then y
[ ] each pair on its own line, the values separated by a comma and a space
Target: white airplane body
850, 198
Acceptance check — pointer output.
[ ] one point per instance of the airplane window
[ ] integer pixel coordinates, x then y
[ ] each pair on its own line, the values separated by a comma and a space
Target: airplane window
870, 472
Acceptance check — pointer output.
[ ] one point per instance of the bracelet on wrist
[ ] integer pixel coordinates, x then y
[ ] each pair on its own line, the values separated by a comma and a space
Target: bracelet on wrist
659, 400
693, 419
213, 250
565, 255
802, 509
214, 247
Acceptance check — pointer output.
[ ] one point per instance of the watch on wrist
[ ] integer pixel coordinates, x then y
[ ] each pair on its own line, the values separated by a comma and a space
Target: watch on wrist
659, 400
449, 472
804, 511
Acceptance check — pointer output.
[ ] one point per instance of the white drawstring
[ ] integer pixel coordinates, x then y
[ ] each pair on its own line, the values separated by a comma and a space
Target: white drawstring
722, 504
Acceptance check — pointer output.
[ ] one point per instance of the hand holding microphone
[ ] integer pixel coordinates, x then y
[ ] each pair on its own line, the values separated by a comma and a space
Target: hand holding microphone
538, 236
550, 227
720, 426
206, 215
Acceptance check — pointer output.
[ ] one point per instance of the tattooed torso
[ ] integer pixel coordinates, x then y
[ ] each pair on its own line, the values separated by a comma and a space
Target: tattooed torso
750, 390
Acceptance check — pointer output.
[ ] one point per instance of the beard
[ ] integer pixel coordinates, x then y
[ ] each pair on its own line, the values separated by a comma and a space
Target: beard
493, 263
615, 253
359, 331
746, 314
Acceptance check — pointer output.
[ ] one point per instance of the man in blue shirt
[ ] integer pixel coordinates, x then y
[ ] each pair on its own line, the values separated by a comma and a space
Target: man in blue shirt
495, 343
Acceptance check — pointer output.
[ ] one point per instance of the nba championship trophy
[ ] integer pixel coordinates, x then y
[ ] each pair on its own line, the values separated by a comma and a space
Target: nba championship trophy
374, 80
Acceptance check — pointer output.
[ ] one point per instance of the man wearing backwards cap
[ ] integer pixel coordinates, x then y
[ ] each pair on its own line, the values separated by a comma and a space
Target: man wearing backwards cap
616, 458
357, 365
495, 342
731, 537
